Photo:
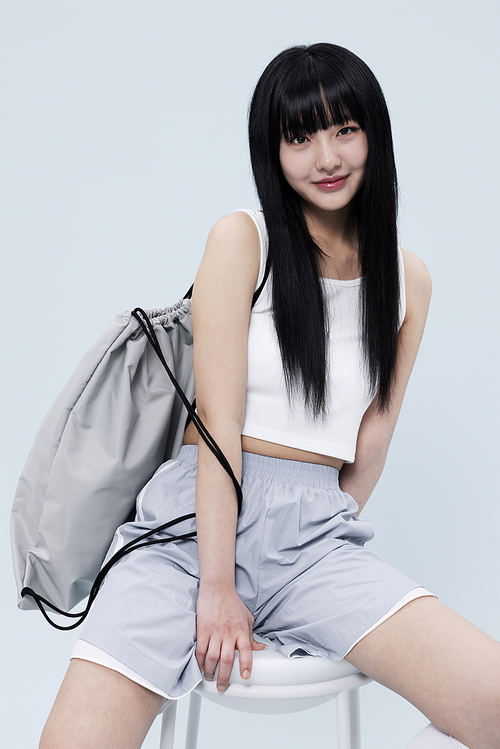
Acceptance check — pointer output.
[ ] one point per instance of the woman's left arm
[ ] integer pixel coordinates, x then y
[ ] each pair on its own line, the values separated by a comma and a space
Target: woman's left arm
376, 430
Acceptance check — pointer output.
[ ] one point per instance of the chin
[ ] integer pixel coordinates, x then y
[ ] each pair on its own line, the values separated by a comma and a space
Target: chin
329, 204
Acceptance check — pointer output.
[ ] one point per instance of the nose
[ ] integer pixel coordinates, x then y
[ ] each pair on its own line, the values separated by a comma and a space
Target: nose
327, 156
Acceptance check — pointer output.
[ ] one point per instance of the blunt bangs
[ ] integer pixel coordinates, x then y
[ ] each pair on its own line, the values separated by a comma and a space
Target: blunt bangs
319, 87
314, 102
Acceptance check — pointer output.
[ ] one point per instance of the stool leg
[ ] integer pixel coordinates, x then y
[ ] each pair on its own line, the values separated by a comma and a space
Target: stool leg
193, 723
168, 726
348, 720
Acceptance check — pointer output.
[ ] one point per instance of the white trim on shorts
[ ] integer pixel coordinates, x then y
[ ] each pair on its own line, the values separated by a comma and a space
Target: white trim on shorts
420, 592
87, 652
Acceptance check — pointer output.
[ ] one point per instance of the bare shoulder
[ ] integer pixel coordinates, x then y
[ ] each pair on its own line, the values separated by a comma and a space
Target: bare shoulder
231, 260
235, 233
418, 282
237, 222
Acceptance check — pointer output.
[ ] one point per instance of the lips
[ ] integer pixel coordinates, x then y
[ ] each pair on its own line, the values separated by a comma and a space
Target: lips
331, 183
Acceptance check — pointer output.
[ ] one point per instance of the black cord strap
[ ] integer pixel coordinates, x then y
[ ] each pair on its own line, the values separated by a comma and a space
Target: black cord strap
136, 543
150, 333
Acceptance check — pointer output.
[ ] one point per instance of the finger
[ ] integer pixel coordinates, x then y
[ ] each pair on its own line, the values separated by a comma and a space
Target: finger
225, 665
212, 659
259, 645
245, 656
201, 651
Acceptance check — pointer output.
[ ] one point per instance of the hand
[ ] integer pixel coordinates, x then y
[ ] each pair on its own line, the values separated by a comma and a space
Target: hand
223, 625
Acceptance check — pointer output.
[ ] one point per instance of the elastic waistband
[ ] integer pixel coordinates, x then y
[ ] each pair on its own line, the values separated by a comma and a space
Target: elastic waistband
289, 471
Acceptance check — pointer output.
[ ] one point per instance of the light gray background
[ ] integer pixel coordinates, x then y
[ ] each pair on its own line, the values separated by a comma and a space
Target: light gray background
123, 140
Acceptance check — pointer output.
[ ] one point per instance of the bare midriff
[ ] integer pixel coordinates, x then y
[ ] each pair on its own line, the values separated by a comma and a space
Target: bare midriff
271, 449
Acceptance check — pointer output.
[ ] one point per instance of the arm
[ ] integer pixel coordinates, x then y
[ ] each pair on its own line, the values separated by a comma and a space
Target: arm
376, 430
222, 299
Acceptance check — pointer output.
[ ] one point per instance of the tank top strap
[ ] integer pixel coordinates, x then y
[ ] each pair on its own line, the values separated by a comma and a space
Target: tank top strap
258, 218
259, 221
402, 288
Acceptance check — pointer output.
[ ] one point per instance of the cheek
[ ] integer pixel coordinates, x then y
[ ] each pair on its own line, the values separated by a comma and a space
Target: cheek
356, 160
294, 168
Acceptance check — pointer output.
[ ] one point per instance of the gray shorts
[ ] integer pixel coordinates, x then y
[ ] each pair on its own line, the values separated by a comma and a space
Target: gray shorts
301, 569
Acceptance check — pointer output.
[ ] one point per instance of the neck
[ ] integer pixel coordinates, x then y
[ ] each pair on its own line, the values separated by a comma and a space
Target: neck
335, 234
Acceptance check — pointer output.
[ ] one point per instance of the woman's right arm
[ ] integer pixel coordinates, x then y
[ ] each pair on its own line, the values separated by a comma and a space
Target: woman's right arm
222, 299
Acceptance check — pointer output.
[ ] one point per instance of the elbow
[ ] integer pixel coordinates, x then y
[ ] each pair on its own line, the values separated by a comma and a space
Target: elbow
372, 447
217, 422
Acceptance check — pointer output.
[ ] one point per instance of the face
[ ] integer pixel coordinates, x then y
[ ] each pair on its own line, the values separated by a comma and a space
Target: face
326, 168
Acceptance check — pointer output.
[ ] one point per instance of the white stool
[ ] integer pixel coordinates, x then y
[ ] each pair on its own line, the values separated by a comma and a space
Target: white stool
280, 685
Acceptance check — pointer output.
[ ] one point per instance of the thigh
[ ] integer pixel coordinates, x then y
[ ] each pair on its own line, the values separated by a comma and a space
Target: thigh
448, 668
99, 707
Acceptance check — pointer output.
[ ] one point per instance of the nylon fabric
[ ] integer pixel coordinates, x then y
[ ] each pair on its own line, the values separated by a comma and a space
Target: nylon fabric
301, 569
117, 419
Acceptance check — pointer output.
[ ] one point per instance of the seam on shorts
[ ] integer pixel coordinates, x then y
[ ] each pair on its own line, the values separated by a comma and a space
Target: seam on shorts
139, 507
120, 541
128, 644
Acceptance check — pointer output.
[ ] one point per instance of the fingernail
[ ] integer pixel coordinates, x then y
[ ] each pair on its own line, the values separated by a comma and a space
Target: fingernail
246, 674
221, 688
209, 678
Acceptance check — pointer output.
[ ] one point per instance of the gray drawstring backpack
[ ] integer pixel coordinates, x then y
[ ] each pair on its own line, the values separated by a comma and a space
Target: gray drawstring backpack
117, 419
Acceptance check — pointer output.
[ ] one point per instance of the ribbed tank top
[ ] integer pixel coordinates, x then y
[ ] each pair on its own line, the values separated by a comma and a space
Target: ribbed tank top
269, 414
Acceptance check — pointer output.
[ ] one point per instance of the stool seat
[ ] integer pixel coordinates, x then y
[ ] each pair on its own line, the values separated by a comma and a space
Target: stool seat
271, 667
279, 685
283, 685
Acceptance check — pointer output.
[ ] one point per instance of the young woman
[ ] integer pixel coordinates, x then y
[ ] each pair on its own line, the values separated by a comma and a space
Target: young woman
301, 390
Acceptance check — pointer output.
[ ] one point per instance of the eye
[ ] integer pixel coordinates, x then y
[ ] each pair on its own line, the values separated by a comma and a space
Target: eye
298, 140
347, 130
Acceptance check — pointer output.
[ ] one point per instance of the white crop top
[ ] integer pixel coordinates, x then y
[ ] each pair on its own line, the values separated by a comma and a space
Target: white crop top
269, 415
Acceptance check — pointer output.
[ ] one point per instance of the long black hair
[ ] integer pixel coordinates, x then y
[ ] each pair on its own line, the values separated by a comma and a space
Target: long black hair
303, 90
